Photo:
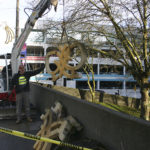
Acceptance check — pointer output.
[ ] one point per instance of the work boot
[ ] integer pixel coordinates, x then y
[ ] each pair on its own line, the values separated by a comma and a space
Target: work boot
29, 119
18, 121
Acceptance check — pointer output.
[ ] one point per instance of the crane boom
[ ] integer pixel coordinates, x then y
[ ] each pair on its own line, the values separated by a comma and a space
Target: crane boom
38, 10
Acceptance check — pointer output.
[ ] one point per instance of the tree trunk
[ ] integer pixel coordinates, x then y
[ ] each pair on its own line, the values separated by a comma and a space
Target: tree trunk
93, 95
144, 103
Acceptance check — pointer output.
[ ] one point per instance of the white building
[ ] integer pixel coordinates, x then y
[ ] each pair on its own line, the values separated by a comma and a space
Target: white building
110, 76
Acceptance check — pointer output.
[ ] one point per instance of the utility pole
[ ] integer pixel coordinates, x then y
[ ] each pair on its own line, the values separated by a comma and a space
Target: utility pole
17, 20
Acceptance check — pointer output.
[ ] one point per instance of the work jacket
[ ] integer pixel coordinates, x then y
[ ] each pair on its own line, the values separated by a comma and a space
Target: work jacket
21, 81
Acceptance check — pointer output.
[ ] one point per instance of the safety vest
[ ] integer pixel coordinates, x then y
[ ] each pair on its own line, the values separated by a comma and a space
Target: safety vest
22, 80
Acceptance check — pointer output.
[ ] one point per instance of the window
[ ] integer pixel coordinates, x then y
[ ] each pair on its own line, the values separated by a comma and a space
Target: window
84, 84
35, 51
109, 69
111, 85
131, 85
94, 69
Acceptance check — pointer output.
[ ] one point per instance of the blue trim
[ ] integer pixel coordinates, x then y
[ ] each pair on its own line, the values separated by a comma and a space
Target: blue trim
107, 77
104, 77
85, 79
42, 76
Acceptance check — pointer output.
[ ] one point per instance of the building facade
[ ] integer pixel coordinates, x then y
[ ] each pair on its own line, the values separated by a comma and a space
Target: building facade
109, 76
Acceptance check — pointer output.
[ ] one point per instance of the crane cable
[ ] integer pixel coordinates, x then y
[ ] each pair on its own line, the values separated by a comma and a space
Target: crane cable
63, 26
65, 53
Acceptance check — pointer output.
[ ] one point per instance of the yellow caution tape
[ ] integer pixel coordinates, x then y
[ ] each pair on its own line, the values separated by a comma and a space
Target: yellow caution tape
35, 137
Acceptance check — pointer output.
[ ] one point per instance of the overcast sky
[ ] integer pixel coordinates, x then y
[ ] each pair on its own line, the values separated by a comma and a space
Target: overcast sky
8, 17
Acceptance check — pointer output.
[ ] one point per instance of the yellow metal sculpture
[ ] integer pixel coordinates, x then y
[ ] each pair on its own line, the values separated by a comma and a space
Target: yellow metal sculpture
9, 34
64, 54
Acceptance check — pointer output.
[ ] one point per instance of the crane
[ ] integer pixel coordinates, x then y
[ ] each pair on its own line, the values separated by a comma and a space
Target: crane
38, 11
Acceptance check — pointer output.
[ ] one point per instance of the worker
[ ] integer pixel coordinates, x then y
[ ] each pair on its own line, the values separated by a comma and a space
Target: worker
4, 75
20, 82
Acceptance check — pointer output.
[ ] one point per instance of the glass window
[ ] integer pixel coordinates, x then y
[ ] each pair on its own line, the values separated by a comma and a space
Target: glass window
35, 51
109, 69
111, 85
84, 84
131, 85
94, 69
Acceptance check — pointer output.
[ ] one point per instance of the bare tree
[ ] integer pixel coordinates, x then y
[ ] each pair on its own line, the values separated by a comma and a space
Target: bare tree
88, 69
124, 24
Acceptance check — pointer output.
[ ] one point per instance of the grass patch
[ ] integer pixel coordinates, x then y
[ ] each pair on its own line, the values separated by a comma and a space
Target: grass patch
123, 109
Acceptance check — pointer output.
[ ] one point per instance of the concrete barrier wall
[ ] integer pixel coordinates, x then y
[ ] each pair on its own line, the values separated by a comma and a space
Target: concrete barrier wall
115, 130
100, 96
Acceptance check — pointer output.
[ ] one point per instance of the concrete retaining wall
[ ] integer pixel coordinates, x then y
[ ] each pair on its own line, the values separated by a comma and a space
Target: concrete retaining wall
100, 96
115, 130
